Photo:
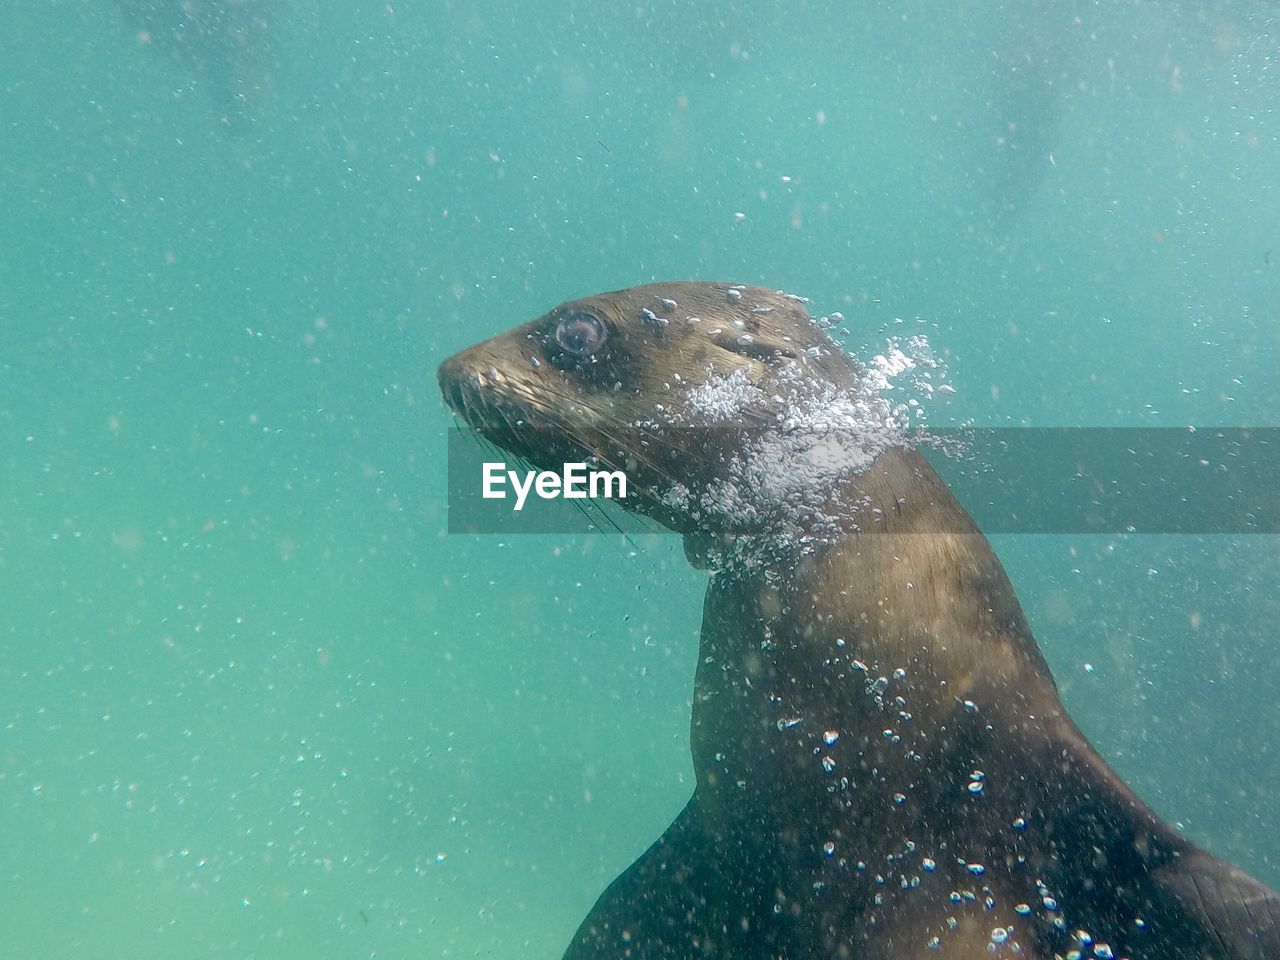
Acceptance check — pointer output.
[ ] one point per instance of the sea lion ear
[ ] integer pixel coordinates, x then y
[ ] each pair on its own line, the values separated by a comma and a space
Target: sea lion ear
758, 346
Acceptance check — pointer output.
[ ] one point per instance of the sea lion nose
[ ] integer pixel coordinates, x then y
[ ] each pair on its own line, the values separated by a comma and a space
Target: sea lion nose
450, 376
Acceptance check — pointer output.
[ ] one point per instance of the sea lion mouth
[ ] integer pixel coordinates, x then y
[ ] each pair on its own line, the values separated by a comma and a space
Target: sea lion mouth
500, 412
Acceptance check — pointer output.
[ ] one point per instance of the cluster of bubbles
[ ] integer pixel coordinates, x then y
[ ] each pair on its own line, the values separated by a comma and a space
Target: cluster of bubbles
806, 439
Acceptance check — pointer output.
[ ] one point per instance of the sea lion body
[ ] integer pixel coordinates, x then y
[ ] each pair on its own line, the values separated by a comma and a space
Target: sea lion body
884, 768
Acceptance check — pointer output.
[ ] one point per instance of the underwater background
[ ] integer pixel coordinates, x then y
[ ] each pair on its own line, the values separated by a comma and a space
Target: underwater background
256, 703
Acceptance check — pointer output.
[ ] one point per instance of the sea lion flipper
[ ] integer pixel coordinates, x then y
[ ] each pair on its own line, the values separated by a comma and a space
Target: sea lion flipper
648, 910
1185, 897
1242, 915
691, 894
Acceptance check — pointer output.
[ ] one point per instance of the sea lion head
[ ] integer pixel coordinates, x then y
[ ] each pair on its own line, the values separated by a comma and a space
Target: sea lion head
712, 397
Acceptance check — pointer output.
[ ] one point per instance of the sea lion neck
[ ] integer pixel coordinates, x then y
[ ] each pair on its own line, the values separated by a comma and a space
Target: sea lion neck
899, 493
913, 556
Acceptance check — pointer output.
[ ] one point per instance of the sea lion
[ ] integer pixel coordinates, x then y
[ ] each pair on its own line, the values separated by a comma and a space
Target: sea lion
884, 768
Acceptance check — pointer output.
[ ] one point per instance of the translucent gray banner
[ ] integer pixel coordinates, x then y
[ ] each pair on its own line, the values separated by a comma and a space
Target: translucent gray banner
1208, 480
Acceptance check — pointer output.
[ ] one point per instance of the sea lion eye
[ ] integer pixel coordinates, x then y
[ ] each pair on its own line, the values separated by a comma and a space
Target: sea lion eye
580, 334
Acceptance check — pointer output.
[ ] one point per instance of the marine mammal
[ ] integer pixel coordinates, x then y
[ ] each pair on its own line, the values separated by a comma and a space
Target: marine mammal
884, 768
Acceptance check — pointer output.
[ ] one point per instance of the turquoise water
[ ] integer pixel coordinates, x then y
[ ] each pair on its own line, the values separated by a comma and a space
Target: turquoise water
255, 703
